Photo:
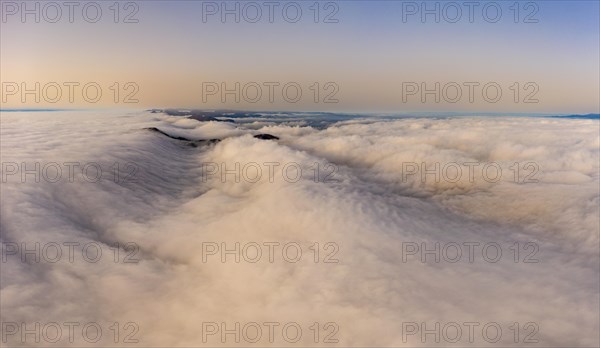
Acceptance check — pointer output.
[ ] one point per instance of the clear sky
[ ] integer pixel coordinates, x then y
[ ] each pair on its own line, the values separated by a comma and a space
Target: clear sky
374, 56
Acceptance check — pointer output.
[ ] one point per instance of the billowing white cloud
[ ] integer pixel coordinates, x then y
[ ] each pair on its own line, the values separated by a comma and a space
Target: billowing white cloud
367, 208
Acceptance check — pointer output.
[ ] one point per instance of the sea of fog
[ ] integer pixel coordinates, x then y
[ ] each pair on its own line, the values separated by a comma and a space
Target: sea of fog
345, 231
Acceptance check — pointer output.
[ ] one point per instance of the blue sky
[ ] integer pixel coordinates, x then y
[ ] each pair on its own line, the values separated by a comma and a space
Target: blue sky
368, 54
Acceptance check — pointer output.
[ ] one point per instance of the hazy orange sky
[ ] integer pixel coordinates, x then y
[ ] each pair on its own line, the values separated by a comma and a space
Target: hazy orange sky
371, 59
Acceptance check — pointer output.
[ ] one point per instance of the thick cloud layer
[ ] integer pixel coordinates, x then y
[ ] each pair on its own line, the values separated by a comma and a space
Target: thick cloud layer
367, 207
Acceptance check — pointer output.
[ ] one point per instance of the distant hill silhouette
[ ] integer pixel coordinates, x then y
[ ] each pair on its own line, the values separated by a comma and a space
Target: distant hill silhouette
581, 117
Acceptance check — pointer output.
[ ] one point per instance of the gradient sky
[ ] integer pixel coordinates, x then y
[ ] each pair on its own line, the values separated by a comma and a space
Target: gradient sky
369, 53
